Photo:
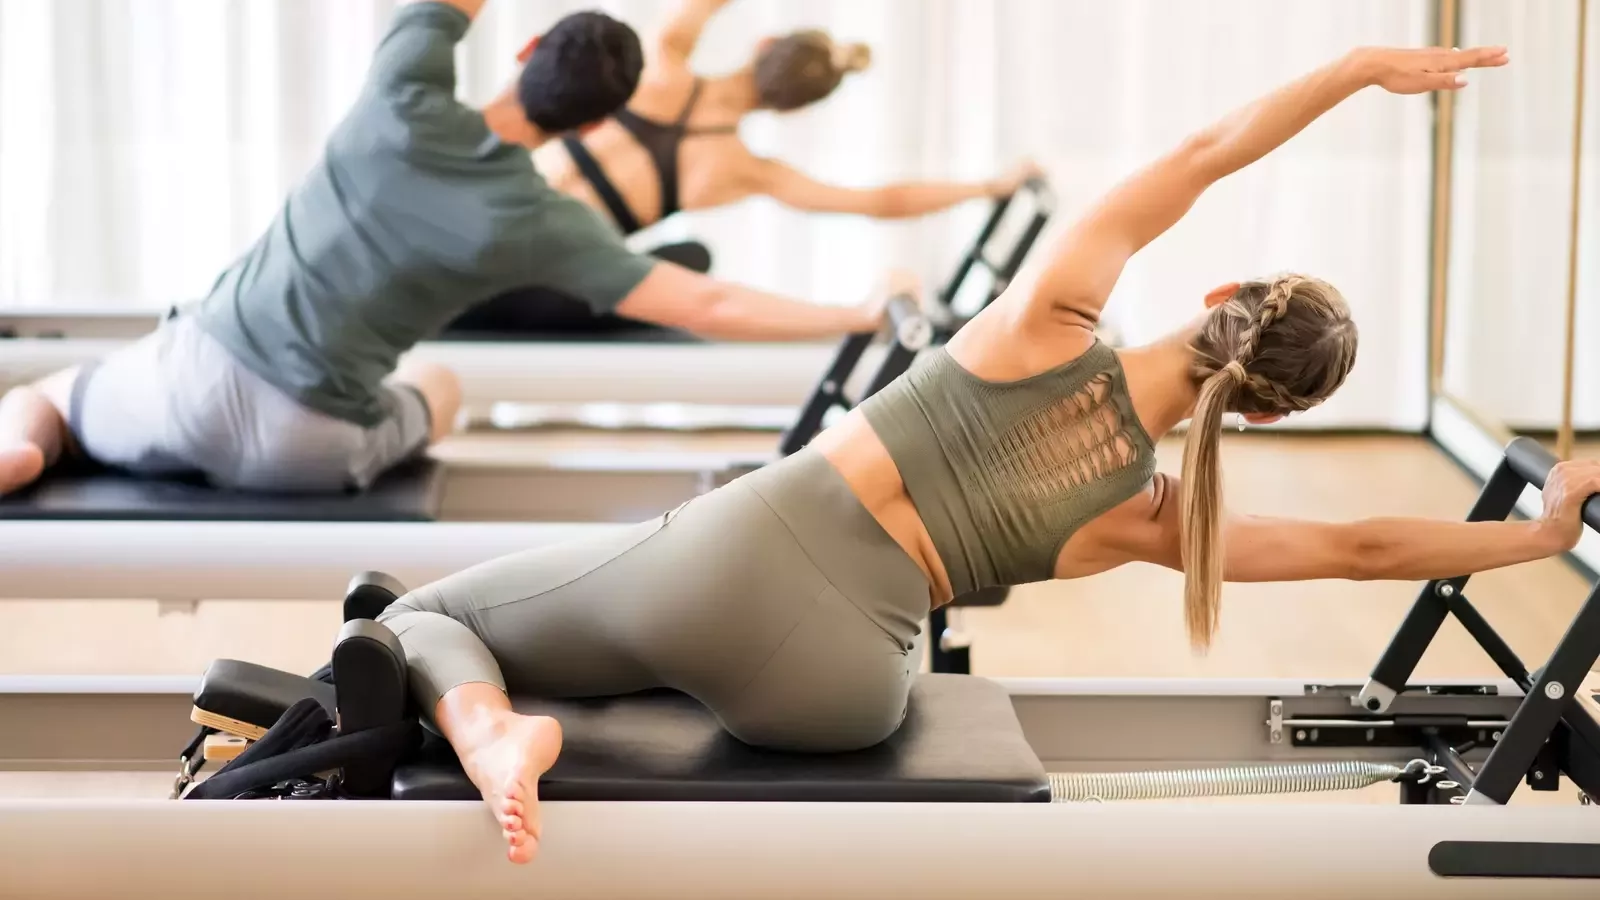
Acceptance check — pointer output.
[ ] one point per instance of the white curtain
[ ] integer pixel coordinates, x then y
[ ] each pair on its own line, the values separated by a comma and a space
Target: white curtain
1511, 219
143, 143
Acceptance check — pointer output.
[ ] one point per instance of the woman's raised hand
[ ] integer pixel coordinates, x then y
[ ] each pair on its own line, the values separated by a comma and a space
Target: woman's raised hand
1424, 69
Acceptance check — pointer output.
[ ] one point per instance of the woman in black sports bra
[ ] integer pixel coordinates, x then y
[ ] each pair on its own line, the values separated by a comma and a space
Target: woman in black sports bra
676, 147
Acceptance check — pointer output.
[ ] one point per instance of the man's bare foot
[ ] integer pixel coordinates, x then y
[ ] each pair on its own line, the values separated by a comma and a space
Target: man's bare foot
20, 465
505, 756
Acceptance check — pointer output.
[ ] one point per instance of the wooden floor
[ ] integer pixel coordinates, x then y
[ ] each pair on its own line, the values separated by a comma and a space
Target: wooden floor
1126, 623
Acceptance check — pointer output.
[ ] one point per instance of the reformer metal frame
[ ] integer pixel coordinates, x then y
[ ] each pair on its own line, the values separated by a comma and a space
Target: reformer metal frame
1481, 740
1416, 849
568, 377
1550, 731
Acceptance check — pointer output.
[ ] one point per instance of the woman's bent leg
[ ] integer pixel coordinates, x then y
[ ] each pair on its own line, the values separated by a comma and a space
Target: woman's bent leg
526, 619
505, 754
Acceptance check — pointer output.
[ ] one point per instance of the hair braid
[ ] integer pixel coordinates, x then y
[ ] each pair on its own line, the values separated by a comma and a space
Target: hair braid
1274, 347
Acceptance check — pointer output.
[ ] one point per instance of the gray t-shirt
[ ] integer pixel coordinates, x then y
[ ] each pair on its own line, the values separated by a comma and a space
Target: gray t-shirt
414, 213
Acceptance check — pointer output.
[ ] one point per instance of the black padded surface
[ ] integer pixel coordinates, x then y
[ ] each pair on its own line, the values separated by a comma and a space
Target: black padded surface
960, 743
411, 493
256, 694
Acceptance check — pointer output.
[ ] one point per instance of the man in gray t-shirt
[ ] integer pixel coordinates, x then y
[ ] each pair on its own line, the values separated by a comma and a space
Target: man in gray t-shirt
284, 377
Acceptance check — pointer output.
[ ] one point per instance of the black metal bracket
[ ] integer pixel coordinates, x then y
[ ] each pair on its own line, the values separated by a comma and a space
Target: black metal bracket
1550, 733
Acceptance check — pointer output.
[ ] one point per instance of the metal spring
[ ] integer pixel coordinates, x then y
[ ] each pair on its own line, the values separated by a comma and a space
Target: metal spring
1284, 778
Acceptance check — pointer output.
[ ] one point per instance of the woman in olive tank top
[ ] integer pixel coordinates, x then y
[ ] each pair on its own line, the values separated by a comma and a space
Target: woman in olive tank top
790, 601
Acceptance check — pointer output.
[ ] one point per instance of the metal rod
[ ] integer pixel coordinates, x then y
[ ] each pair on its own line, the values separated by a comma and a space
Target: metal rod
1564, 436
1490, 640
1443, 183
1454, 766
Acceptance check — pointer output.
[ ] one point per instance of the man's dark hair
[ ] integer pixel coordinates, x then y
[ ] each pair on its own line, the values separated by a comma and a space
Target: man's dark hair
583, 70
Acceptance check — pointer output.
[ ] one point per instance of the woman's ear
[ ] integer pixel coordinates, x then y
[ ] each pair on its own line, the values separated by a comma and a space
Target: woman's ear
1221, 294
527, 52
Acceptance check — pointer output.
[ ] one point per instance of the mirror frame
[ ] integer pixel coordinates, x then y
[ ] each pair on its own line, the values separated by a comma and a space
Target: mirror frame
1473, 438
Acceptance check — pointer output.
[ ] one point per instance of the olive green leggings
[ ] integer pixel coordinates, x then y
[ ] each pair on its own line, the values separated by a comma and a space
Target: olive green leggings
776, 600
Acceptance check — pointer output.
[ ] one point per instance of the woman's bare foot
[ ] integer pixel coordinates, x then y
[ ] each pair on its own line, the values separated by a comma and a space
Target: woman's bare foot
504, 755
20, 465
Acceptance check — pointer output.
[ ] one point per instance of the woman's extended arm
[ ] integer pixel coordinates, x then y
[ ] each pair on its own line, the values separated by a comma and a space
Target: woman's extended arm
681, 33
1259, 548
1380, 549
910, 199
1091, 256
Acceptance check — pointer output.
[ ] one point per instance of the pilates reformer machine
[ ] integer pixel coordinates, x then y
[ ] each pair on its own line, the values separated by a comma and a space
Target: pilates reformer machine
516, 381
1018, 788
170, 540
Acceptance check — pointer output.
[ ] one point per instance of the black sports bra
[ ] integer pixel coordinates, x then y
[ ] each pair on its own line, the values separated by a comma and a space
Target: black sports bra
661, 141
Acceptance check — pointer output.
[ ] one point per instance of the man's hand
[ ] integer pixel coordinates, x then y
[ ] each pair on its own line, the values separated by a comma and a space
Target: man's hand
874, 309
1420, 70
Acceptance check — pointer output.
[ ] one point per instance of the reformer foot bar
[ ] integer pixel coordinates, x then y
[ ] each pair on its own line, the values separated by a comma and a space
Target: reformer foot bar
653, 801
526, 382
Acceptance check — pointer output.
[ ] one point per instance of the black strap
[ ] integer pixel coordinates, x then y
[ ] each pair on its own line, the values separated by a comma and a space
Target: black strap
299, 745
662, 142
590, 168
688, 108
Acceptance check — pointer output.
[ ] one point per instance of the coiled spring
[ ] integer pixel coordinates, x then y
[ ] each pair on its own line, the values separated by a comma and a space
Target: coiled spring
1229, 781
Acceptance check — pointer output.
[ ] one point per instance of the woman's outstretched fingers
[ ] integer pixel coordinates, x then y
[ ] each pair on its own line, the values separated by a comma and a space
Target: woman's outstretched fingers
1458, 60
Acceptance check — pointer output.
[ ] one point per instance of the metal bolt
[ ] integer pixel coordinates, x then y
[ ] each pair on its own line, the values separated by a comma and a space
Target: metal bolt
1554, 690
1277, 736
1276, 707
1447, 590
1300, 735
1458, 800
1373, 704
1538, 774
1583, 800
1495, 736
830, 386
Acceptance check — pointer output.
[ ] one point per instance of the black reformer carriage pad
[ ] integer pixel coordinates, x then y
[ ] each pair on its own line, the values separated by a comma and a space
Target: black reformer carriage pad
961, 743
408, 493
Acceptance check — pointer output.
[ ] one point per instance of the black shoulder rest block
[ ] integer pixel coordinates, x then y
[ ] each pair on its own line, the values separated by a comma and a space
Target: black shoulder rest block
410, 493
961, 742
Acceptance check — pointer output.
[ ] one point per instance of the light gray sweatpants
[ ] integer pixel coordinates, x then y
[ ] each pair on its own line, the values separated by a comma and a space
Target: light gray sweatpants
777, 600
176, 402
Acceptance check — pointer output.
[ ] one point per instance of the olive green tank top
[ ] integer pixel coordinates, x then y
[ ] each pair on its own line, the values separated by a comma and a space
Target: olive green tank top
1003, 473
